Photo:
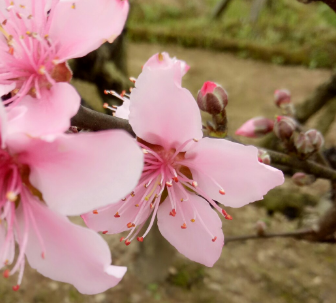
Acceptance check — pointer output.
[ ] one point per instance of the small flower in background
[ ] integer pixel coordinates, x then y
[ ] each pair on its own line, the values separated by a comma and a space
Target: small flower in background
264, 157
184, 175
282, 97
43, 181
38, 37
302, 179
255, 128
212, 98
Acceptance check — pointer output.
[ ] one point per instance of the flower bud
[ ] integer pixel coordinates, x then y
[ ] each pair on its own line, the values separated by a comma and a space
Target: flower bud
282, 97
303, 144
212, 98
284, 127
316, 138
264, 157
302, 179
255, 127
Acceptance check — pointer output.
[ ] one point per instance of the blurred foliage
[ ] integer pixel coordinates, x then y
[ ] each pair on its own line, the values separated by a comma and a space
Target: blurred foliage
187, 275
287, 32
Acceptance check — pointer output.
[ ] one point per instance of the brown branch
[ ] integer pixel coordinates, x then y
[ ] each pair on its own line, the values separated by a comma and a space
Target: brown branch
309, 167
299, 234
330, 3
325, 92
89, 119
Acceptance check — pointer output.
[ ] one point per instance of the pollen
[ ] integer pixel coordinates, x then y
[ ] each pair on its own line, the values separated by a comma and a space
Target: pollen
136, 205
11, 196
130, 225
73, 6
192, 220
222, 191
42, 70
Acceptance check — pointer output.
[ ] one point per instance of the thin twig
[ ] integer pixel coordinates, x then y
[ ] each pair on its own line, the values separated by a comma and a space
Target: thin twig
307, 166
299, 234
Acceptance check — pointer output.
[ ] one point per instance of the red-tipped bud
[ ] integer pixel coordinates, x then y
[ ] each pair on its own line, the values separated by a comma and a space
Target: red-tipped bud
140, 239
261, 228
264, 157
282, 97
16, 287
284, 127
212, 98
316, 138
303, 144
255, 127
302, 179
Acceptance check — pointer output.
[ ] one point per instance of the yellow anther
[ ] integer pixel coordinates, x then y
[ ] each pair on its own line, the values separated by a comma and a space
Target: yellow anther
73, 6
192, 220
160, 56
42, 70
11, 196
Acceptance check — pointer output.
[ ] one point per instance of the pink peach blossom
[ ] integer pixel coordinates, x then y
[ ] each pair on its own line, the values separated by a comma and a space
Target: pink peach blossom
183, 174
42, 181
37, 37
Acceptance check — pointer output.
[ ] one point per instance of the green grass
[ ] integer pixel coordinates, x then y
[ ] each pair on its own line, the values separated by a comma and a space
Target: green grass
287, 33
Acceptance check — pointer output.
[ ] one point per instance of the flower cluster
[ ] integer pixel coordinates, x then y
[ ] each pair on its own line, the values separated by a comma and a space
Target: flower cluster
47, 175
185, 177
114, 181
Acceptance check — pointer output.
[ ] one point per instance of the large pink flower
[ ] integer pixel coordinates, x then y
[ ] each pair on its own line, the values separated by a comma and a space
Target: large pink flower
183, 174
41, 181
36, 39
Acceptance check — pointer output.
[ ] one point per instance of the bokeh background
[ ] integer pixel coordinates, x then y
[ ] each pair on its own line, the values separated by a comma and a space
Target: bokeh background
251, 49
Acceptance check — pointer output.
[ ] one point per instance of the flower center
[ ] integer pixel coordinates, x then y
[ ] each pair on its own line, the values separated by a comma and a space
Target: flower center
28, 56
166, 173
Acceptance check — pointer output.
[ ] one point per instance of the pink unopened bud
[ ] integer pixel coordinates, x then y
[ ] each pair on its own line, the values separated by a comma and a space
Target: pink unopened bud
264, 157
282, 97
303, 144
261, 228
212, 98
284, 127
302, 179
255, 127
316, 138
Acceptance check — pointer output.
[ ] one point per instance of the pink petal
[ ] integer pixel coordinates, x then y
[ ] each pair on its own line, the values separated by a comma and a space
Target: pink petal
79, 27
163, 61
235, 167
49, 115
195, 242
162, 112
72, 254
123, 111
81, 172
3, 125
6, 88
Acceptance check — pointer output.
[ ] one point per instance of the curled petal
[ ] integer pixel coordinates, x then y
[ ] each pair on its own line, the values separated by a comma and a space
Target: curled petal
70, 253
197, 241
235, 168
79, 27
163, 61
78, 173
6, 88
173, 115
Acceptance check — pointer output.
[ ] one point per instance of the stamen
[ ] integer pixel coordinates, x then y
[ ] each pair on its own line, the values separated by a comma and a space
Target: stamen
95, 212
121, 239
132, 79
11, 196
16, 287
184, 226
221, 191
140, 239
214, 239
127, 242
117, 215
130, 225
